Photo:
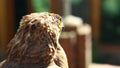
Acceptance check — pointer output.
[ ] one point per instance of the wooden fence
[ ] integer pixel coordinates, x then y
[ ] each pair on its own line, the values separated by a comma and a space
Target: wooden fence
77, 45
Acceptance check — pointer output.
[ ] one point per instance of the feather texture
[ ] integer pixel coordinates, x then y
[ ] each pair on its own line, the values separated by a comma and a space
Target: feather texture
36, 45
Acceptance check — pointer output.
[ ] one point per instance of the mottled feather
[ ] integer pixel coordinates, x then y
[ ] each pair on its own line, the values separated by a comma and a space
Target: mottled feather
36, 43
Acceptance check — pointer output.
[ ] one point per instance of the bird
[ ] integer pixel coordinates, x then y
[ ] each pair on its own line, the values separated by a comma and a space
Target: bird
36, 43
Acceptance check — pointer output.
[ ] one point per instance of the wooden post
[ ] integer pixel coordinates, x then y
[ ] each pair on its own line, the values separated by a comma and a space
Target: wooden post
80, 51
83, 47
69, 49
56, 6
95, 14
3, 28
6, 24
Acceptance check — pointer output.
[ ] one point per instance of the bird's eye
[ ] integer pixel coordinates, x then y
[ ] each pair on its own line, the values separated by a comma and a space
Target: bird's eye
60, 24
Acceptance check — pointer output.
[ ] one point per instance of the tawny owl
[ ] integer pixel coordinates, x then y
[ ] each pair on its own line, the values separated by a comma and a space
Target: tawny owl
36, 43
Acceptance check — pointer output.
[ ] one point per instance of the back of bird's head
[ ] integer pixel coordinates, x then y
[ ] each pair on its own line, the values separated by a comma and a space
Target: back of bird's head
50, 21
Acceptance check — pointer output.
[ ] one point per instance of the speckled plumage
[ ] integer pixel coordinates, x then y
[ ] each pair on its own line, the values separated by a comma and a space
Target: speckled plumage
35, 45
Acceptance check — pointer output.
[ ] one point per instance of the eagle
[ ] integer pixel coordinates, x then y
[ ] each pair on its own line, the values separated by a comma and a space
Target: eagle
36, 43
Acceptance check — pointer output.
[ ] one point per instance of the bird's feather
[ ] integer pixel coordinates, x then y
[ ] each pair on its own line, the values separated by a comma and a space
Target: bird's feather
35, 44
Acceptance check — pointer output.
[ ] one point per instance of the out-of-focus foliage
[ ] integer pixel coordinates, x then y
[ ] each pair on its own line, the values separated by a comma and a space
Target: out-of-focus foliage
40, 5
111, 7
76, 1
110, 21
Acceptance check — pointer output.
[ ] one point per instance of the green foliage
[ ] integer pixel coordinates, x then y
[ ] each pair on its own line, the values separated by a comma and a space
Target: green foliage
95, 52
40, 5
75, 1
111, 7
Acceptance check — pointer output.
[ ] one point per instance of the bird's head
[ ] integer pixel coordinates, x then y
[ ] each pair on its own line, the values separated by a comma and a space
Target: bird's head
47, 22
36, 38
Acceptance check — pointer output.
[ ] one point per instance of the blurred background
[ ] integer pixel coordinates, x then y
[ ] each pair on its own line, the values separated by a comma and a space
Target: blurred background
93, 24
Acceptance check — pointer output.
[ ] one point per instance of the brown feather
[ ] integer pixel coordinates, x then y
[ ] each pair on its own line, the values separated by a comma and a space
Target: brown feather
35, 45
